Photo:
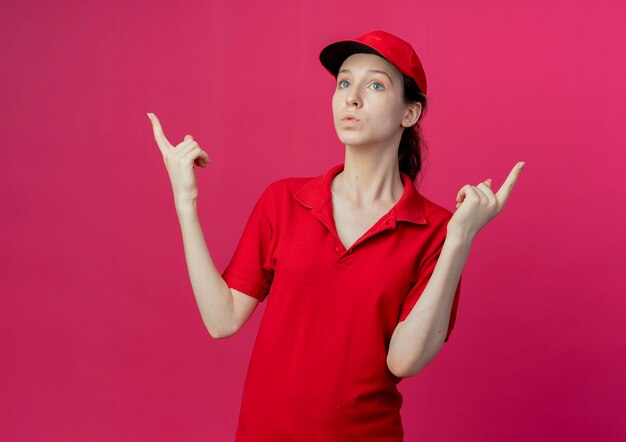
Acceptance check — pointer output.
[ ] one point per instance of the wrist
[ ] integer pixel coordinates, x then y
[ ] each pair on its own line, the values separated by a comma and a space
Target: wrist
460, 237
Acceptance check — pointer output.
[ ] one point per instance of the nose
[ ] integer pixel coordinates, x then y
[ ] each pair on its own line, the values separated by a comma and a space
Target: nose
353, 97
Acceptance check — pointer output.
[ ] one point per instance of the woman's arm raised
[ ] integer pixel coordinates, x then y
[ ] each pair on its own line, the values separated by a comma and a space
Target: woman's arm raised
223, 310
418, 338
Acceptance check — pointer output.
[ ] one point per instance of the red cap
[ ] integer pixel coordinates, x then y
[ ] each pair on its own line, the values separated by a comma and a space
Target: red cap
395, 50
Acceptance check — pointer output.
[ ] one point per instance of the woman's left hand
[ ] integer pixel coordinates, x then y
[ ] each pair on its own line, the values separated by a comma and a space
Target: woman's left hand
477, 205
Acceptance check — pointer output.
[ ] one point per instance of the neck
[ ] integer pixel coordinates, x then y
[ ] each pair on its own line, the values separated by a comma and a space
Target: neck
370, 176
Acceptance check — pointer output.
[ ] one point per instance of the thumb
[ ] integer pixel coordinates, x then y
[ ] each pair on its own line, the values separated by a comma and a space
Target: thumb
188, 138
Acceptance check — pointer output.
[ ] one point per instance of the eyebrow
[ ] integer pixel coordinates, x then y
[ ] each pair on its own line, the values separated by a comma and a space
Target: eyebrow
371, 70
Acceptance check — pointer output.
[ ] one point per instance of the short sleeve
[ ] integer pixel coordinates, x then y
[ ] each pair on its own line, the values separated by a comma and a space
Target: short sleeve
425, 273
251, 269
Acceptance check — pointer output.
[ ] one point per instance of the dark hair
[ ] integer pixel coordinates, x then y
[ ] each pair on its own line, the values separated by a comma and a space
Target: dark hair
412, 143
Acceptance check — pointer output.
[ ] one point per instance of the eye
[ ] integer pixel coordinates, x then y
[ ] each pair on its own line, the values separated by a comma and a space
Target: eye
342, 81
378, 83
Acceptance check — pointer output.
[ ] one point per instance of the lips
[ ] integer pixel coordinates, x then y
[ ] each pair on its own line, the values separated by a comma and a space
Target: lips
349, 118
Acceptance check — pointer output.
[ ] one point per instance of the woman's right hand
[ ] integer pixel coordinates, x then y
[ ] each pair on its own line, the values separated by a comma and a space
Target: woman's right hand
179, 162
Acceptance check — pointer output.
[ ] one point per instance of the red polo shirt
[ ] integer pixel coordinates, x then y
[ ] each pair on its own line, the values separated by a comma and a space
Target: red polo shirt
318, 370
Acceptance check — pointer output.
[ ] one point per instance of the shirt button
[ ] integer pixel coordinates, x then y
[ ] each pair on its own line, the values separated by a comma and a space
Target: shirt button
338, 249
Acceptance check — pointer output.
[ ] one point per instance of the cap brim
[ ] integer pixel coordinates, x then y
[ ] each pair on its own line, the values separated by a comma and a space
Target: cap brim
333, 55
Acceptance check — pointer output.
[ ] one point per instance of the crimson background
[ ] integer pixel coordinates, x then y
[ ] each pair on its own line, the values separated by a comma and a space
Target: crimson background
100, 334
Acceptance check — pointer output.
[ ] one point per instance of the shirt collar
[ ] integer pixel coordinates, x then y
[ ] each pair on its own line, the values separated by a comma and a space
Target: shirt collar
315, 193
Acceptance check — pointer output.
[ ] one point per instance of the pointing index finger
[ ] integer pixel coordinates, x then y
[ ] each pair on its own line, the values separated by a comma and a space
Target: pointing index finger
503, 193
159, 136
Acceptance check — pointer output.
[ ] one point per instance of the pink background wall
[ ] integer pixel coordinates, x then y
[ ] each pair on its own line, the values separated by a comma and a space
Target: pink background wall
101, 338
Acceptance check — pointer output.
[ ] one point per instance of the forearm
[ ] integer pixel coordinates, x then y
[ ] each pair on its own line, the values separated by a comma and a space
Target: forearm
213, 296
417, 339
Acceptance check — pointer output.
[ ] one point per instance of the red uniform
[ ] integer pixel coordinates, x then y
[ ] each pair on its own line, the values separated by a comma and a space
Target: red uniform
318, 370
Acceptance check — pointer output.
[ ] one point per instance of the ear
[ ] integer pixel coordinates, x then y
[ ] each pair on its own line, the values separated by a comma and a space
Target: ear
412, 114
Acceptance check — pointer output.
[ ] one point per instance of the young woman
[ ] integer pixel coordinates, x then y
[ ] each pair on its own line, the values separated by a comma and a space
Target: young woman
362, 273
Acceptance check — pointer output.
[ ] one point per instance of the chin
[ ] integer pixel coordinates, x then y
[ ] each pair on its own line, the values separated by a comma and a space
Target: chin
349, 137
352, 141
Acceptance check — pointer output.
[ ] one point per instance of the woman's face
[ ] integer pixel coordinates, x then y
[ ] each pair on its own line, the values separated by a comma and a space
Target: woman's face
369, 89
